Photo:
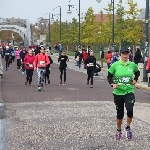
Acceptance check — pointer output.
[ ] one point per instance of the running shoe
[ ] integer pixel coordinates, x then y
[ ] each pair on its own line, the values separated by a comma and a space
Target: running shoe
87, 82
64, 83
128, 133
22, 72
118, 135
60, 83
30, 85
26, 83
91, 86
48, 81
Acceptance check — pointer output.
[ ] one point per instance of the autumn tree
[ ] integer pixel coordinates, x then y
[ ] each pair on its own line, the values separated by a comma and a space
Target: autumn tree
89, 28
119, 25
55, 32
133, 32
73, 32
107, 28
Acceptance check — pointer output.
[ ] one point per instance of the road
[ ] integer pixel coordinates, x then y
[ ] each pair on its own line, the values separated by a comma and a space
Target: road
71, 117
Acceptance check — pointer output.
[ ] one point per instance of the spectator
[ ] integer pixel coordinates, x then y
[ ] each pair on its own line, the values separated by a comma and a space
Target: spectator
138, 56
101, 57
108, 58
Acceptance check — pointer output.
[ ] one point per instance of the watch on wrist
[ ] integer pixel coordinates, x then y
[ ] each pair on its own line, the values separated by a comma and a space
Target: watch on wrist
112, 85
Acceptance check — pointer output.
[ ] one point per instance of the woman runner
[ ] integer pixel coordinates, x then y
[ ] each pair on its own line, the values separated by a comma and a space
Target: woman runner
41, 61
28, 62
120, 77
63, 59
91, 66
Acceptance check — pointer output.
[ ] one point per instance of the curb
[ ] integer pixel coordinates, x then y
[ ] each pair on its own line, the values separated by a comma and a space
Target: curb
2, 121
137, 85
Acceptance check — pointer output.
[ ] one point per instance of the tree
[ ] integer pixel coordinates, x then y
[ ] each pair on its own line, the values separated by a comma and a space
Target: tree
89, 28
107, 27
119, 25
133, 32
55, 32
73, 32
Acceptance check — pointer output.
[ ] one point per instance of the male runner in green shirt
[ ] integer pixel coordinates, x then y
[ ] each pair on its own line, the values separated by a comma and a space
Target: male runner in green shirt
120, 77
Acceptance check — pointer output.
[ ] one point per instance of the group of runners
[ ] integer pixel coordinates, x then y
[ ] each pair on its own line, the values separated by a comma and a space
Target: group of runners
120, 77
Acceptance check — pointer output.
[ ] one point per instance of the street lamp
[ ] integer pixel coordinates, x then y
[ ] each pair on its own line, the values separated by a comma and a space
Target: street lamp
146, 53
98, 1
49, 28
69, 12
52, 19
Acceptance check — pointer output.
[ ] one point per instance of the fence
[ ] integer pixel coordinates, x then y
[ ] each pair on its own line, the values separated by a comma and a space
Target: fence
1, 66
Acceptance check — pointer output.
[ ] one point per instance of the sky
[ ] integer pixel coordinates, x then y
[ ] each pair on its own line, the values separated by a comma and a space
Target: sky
33, 9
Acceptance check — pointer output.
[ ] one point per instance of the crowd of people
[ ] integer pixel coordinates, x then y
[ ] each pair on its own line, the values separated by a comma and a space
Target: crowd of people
121, 69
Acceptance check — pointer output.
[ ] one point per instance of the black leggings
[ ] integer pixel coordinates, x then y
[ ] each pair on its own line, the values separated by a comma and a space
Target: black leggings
47, 73
90, 75
29, 73
7, 62
128, 100
13, 58
62, 70
18, 63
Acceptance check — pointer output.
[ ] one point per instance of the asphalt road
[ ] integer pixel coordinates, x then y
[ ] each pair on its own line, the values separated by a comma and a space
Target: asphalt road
70, 117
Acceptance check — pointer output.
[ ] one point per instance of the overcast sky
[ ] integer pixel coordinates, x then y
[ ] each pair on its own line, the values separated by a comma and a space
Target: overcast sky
33, 9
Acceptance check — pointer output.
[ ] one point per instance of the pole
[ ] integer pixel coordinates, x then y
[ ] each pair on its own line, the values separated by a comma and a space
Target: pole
60, 24
79, 24
49, 30
113, 20
146, 53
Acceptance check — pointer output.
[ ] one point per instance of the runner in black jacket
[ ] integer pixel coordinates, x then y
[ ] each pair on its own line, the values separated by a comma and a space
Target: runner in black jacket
63, 59
91, 65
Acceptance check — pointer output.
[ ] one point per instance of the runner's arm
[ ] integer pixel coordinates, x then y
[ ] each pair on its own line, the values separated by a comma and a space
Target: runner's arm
110, 78
47, 60
137, 74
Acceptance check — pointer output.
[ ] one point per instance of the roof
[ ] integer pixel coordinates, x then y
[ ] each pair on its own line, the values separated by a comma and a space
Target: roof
105, 17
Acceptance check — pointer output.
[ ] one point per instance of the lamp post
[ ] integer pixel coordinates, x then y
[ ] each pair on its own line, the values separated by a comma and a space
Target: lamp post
52, 19
113, 21
69, 12
146, 53
49, 29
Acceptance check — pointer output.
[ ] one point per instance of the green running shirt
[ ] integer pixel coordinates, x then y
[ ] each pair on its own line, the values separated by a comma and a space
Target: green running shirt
123, 76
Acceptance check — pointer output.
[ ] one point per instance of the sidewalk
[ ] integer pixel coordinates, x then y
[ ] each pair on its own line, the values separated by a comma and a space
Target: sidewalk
139, 85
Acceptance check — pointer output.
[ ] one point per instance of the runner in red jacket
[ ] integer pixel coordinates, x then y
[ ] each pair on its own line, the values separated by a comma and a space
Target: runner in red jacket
40, 62
84, 57
28, 62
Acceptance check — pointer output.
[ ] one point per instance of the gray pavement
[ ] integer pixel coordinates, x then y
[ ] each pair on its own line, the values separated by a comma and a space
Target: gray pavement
71, 117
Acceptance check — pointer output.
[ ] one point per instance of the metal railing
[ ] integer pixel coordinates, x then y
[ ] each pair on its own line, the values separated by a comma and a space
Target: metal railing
1, 66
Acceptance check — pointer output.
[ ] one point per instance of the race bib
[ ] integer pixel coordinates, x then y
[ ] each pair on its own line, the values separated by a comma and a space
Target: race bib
124, 80
13, 54
7, 54
30, 65
42, 62
91, 64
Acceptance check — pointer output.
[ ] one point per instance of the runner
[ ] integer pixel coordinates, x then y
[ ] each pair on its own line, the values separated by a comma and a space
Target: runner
63, 59
22, 56
12, 54
28, 62
7, 55
91, 66
40, 62
17, 54
47, 74
123, 89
